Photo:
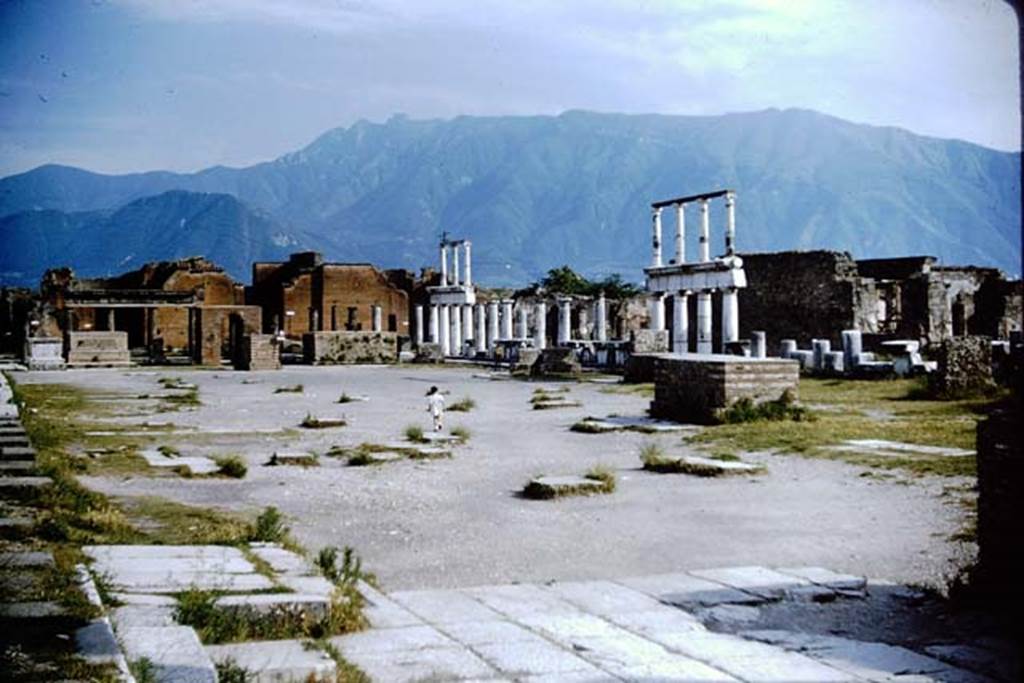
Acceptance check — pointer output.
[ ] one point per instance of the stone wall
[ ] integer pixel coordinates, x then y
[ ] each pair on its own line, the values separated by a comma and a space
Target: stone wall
258, 352
965, 368
1000, 503
344, 348
96, 349
697, 388
213, 337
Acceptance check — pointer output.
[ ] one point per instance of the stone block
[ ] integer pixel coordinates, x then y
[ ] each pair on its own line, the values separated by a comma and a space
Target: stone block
44, 353
386, 641
17, 453
452, 663
97, 349
16, 468
272, 661
696, 388
429, 353
825, 577
444, 606
96, 643
522, 600
316, 607
758, 345
310, 585
258, 352
603, 598
640, 368
964, 368
833, 363
174, 651
531, 658
23, 488
563, 485
29, 559
557, 362
649, 341
12, 440
131, 616
761, 581
345, 348
280, 560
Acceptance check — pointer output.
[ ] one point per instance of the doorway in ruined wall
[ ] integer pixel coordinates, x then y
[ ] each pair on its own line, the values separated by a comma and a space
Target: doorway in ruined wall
959, 315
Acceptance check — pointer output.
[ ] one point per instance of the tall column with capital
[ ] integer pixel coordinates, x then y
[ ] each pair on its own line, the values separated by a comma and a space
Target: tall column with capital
492, 323
680, 323
730, 224
680, 233
657, 311
730, 316
468, 278
481, 329
506, 318
705, 229
564, 321
540, 329
444, 325
656, 238
601, 318
704, 342
456, 323
522, 327
419, 324
435, 334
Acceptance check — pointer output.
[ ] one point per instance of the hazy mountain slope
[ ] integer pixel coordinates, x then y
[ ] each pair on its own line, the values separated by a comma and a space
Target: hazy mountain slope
535, 192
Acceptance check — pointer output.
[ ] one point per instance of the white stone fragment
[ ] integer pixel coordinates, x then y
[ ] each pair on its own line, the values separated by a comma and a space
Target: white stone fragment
175, 652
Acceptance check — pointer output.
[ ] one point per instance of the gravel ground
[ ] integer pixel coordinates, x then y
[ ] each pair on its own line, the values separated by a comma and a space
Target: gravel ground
460, 522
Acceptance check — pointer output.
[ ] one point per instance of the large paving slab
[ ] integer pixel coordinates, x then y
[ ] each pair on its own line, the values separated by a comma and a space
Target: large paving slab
825, 577
273, 661
175, 652
443, 606
761, 581
685, 589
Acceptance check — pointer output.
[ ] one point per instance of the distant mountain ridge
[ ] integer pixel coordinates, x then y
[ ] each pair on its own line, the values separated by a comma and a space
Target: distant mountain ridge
536, 192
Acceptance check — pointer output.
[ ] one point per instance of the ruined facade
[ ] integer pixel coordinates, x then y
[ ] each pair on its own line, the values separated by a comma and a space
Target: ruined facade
816, 294
304, 294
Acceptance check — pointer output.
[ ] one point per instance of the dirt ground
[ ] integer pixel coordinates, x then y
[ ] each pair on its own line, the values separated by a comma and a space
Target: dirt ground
460, 522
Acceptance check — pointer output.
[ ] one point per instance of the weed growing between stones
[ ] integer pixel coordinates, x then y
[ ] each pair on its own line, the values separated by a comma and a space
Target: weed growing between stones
351, 570
603, 474
587, 426
347, 672
142, 670
414, 433
169, 451
269, 526
229, 671
231, 466
461, 433
463, 405
292, 389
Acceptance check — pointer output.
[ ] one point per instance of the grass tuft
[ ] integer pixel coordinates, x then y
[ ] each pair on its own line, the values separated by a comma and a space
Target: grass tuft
783, 408
414, 433
345, 398
463, 405
291, 389
461, 433
231, 466
269, 526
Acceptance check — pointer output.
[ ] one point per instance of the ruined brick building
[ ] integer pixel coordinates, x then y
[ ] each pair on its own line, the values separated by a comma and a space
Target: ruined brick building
816, 294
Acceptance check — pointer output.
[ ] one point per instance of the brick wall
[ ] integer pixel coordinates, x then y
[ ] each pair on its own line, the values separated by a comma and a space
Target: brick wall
344, 348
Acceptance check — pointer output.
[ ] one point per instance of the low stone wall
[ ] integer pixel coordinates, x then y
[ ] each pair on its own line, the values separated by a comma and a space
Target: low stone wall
92, 349
1000, 502
965, 368
258, 352
44, 353
557, 362
640, 367
696, 388
346, 348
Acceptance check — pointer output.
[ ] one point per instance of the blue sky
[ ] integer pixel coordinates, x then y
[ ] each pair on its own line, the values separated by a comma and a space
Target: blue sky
131, 85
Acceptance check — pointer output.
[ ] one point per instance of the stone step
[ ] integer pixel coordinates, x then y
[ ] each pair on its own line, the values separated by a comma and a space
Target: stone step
266, 604
11, 440
276, 661
761, 581
16, 526
17, 467
23, 488
18, 453
175, 652
281, 560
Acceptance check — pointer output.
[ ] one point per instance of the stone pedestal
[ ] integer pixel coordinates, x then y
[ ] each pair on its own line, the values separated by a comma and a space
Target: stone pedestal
44, 353
820, 347
787, 347
98, 349
852, 348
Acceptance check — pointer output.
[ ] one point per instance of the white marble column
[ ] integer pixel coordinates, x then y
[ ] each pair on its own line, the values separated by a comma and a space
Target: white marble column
481, 329
523, 330
506, 318
657, 311
705, 229
704, 341
444, 323
758, 345
730, 316
468, 278
455, 263
680, 323
656, 238
492, 323
680, 233
467, 322
456, 322
540, 330
419, 325
376, 311
435, 335
730, 224
601, 318
444, 264
564, 321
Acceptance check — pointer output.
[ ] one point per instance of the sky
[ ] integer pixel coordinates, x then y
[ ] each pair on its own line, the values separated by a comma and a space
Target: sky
133, 85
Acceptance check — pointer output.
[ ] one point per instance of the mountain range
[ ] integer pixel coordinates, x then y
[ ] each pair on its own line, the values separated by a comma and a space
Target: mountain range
532, 193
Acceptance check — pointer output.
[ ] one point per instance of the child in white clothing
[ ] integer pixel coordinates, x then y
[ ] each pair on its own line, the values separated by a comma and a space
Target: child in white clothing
435, 406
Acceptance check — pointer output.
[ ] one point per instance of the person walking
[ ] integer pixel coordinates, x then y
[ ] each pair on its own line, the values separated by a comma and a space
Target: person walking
435, 406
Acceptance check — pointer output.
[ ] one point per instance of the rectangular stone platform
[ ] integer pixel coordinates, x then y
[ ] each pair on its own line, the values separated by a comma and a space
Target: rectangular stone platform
97, 349
694, 387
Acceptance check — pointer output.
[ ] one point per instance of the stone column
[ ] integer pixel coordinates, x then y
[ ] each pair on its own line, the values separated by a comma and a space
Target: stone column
680, 323
704, 343
314, 319
705, 229
110, 320
419, 324
481, 329
467, 322
564, 321
506, 318
492, 323
657, 311
444, 264
656, 240
524, 329
444, 326
376, 310
820, 348
468, 278
680, 233
456, 323
730, 316
540, 330
455, 263
435, 327
787, 347
730, 224
758, 345
852, 348
601, 318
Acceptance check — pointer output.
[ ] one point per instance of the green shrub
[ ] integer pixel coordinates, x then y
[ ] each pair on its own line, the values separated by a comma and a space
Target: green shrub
231, 466
414, 433
269, 527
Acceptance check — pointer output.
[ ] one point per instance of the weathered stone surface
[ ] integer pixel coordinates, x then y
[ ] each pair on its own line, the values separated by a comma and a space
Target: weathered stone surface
562, 485
729, 615
215, 554
258, 352
444, 606
194, 464
281, 560
17, 453
272, 661
897, 448
23, 488
391, 640
87, 349
429, 664
687, 590
310, 585
965, 368
489, 632
761, 581
525, 658
825, 577
174, 582
175, 652
44, 353
521, 600
10, 440
26, 559
604, 598
96, 642
17, 467
131, 616
264, 604
31, 610
556, 362
344, 347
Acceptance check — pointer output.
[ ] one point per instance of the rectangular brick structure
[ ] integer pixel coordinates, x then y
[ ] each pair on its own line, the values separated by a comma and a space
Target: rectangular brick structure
343, 348
698, 387
258, 352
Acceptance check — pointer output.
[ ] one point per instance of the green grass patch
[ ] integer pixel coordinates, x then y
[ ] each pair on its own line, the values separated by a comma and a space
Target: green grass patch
414, 433
783, 408
231, 466
461, 433
463, 405
269, 526
166, 522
